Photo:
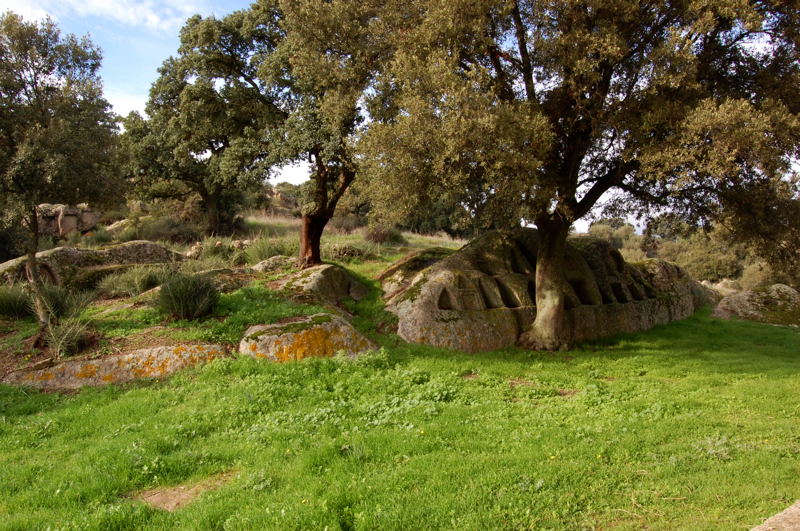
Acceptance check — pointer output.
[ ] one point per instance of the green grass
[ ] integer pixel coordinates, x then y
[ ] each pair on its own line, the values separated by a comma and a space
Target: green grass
689, 426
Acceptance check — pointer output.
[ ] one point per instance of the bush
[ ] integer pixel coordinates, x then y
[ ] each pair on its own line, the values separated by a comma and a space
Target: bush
384, 234
98, 237
66, 337
761, 275
188, 297
203, 264
135, 280
348, 252
166, 229
61, 302
264, 248
15, 302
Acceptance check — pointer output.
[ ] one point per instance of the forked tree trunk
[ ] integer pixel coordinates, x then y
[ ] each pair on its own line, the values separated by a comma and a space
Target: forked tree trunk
549, 330
310, 237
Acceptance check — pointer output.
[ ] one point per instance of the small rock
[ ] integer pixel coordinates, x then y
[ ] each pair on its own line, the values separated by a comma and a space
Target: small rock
316, 336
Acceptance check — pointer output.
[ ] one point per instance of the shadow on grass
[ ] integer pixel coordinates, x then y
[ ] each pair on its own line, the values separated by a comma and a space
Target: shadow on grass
699, 343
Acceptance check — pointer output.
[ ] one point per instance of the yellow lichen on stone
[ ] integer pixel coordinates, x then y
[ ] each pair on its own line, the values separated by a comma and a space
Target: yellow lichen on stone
87, 371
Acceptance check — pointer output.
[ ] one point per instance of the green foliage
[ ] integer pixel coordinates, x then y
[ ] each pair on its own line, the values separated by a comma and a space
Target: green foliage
98, 237
384, 234
135, 280
265, 247
67, 336
647, 428
349, 251
57, 132
165, 229
188, 296
61, 302
15, 302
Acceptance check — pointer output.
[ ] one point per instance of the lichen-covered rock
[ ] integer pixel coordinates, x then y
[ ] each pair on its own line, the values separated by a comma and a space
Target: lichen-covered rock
62, 265
145, 363
61, 220
329, 282
275, 263
777, 304
399, 275
316, 336
483, 297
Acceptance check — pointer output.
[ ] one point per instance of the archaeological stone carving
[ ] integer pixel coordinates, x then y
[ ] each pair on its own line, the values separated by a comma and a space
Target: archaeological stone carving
484, 296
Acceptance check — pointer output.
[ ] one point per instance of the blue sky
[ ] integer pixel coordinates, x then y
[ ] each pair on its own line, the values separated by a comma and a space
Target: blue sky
136, 36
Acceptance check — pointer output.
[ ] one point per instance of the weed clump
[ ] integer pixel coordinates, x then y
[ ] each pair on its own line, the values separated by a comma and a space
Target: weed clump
15, 302
61, 302
264, 248
67, 336
384, 234
135, 280
188, 296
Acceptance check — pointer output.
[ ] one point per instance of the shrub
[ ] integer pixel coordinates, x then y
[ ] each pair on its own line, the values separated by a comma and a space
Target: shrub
99, 236
66, 337
135, 280
384, 234
166, 229
203, 264
264, 248
347, 252
15, 302
61, 302
188, 297
761, 274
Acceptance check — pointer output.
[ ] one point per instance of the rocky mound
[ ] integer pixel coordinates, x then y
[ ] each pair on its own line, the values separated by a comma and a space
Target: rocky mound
315, 336
329, 282
483, 296
399, 275
64, 265
777, 304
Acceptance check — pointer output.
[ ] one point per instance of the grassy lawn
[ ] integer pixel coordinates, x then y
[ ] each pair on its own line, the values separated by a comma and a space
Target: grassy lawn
693, 425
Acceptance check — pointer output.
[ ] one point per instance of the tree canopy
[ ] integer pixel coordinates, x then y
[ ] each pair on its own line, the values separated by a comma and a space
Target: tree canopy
56, 132
546, 106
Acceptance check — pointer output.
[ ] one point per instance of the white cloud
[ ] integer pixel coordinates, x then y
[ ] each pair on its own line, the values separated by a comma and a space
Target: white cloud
124, 102
158, 16
294, 173
28, 11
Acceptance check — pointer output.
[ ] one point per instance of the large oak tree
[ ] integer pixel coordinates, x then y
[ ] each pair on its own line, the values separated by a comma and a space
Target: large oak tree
551, 105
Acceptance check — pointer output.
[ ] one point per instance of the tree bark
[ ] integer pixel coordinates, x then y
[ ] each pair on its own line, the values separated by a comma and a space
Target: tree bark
549, 330
211, 203
43, 314
310, 237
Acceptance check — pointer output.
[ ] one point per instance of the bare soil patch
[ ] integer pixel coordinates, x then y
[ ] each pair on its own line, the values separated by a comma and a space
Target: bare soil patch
173, 498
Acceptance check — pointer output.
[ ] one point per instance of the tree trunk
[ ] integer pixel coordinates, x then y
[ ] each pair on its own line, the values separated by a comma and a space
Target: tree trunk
310, 237
212, 214
32, 269
549, 330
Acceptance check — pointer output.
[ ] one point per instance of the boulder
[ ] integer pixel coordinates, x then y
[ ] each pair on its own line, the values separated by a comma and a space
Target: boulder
777, 304
275, 263
60, 220
483, 297
329, 282
154, 362
399, 275
63, 265
315, 336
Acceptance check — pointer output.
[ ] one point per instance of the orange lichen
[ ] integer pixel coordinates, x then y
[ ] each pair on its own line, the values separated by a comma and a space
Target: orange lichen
87, 371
